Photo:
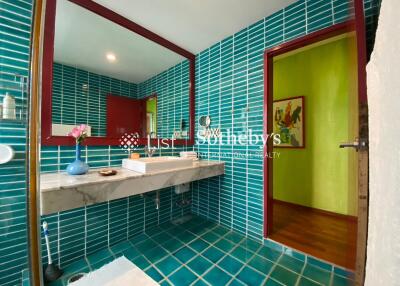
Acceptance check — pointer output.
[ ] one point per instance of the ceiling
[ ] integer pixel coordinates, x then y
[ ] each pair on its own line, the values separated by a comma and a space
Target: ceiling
83, 39
195, 25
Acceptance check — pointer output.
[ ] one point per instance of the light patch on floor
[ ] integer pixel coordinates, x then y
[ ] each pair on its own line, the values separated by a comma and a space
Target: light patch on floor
119, 272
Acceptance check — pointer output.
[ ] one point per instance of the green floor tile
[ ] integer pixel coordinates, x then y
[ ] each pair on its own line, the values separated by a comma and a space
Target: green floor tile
186, 237
250, 245
78, 266
199, 245
182, 277
184, 254
307, 282
118, 248
261, 264
317, 274
234, 237
161, 238
200, 283
236, 282
101, 263
291, 263
250, 277
165, 283
217, 277
269, 253
154, 274
225, 245
130, 253
341, 281
242, 254
175, 231
168, 265
100, 255
213, 254
344, 273
220, 230
210, 237
284, 276
155, 254
141, 262
319, 263
230, 264
199, 265
272, 282
138, 239
172, 245
154, 231
145, 245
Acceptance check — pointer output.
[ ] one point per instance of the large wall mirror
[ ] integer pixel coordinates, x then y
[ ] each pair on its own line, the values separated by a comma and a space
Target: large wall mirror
105, 71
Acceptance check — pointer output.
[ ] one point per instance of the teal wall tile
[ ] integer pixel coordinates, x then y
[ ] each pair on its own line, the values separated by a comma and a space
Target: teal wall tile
79, 96
229, 77
80, 232
15, 29
230, 88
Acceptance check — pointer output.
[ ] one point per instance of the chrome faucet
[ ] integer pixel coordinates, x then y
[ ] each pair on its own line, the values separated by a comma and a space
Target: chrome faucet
148, 150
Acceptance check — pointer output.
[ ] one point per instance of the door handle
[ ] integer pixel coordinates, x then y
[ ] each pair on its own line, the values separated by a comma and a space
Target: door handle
348, 145
357, 144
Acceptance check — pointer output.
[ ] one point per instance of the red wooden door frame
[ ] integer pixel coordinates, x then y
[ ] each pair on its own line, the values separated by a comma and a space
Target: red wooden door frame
269, 55
356, 25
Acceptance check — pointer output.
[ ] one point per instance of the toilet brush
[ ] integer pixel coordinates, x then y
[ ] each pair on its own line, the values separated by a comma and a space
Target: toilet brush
52, 272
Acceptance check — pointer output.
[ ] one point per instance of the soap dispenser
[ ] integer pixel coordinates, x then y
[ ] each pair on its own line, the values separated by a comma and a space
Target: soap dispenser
9, 107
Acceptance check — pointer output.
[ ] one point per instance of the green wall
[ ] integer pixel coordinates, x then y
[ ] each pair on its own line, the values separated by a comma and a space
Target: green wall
321, 175
151, 107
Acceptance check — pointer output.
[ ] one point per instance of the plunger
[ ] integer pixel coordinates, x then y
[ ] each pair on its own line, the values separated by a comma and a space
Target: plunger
52, 272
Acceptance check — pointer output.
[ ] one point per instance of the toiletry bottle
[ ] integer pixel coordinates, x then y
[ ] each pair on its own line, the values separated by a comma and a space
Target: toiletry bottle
9, 107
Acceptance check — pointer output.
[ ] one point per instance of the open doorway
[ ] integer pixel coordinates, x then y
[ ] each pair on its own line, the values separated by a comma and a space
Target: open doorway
315, 182
316, 192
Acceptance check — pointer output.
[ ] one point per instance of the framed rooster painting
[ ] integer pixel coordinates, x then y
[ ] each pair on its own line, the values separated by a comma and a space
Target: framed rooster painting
289, 122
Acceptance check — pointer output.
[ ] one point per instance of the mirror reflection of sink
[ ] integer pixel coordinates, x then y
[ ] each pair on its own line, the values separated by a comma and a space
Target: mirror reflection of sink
154, 164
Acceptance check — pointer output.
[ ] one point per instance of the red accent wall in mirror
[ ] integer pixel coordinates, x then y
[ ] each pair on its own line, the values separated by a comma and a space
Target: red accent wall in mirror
125, 115
47, 74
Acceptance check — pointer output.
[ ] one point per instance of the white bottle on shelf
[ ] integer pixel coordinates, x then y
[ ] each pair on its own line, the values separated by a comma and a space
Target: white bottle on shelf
9, 107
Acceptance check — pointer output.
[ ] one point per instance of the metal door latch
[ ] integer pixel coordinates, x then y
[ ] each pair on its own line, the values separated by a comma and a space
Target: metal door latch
358, 144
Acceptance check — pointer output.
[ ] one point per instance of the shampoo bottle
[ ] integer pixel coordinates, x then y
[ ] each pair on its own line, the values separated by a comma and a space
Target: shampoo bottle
9, 107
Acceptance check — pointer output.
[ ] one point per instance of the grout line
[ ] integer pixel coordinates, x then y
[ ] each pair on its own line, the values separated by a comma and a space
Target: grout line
301, 272
85, 234
58, 240
108, 223
201, 254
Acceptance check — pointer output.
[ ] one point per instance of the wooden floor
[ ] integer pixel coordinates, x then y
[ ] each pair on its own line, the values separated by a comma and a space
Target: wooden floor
329, 237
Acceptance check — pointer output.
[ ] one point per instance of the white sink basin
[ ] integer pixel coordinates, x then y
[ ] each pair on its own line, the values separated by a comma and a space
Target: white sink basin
154, 164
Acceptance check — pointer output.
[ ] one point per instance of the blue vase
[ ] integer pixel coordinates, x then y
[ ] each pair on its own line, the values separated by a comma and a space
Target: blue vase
78, 167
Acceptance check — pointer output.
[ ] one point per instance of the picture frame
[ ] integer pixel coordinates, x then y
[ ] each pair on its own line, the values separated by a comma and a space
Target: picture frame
289, 122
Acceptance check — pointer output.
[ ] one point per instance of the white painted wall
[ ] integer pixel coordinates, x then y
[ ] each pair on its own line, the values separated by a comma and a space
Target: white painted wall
383, 252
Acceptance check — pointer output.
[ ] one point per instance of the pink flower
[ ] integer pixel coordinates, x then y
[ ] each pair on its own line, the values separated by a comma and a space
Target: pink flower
82, 128
79, 133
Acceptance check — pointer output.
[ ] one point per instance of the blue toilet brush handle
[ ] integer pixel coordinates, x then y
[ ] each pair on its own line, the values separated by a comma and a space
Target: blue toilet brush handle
46, 237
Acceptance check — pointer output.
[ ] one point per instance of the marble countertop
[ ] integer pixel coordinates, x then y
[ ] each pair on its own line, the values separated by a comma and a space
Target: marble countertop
60, 191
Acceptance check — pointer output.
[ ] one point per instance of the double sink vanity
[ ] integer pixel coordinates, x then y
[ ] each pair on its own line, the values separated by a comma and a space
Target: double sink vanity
61, 192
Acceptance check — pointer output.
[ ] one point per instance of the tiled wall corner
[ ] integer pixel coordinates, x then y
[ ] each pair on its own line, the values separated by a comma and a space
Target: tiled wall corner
172, 89
80, 232
79, 96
